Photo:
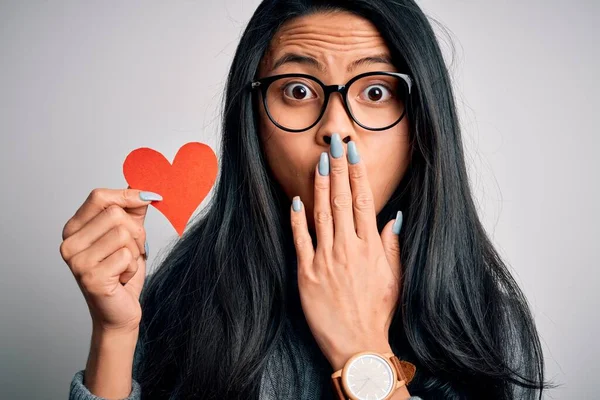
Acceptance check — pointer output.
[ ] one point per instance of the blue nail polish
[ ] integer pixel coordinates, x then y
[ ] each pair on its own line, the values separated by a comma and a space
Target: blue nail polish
336, 146
150, 196
146, 249
353, 156
324, 164
296, 204
398, 223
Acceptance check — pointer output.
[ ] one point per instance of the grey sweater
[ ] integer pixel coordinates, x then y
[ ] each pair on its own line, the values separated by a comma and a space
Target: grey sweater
313, 379
316, 369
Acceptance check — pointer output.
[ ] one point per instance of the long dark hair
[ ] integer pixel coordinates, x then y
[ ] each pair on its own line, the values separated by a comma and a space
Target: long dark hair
223, 302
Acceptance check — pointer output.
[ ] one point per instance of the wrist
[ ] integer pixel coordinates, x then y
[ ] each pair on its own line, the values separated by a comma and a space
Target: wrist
110, 347
338, 358
126, 331
103, 340
109, 366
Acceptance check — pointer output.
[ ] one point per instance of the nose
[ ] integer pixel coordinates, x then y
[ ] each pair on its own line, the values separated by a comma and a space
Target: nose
327, 138
335, 120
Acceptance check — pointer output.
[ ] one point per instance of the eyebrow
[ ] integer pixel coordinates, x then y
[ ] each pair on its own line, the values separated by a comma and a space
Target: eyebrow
312, 62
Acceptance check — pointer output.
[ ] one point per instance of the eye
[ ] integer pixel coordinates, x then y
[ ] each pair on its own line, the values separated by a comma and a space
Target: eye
377, 93
298, 91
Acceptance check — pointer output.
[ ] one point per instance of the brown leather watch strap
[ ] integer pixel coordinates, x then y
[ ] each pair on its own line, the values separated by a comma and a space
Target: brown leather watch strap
404, 370
337, 388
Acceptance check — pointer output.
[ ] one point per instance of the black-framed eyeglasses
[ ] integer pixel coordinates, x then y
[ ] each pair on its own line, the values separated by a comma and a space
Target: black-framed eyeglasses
296, 102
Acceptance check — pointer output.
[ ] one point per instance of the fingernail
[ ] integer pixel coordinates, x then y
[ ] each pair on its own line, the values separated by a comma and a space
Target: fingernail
150, 196
296, 204
324, 164
146, 249
353, 156
397, 223
336, 146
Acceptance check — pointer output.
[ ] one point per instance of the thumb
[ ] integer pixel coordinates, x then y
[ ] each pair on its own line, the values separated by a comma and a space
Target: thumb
391, 243
137, 213
136, 282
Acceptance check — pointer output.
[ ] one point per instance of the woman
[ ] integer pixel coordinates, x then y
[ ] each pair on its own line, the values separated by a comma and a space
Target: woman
266, 299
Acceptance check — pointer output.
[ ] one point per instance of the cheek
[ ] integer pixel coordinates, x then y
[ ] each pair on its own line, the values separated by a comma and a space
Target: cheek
290, 165
386, 167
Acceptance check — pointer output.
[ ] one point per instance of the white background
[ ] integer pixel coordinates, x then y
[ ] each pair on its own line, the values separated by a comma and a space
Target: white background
84, 83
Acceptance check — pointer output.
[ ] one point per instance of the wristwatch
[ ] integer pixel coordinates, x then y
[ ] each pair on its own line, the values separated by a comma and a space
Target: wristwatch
371, 375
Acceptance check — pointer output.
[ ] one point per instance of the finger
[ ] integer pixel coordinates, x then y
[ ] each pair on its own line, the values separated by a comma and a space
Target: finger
362, 196
139, 213
100, 199
136, 281
107, 220
98, 279
111, 242
341, 197
322, 205
121, 264
302, 240
391, 243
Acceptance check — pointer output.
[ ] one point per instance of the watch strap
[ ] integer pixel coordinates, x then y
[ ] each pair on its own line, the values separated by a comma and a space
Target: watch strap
337, 388
405, 370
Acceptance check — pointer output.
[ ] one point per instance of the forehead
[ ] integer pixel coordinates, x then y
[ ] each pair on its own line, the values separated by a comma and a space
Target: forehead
333, 38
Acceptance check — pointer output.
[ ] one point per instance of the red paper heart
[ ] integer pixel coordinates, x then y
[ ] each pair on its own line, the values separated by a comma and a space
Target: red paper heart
182, 185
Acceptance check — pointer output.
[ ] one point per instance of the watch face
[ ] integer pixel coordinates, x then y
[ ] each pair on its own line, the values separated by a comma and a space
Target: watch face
369, 377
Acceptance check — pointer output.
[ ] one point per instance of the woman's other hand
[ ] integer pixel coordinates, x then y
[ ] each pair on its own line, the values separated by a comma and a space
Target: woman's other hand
104, 246
349, 285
